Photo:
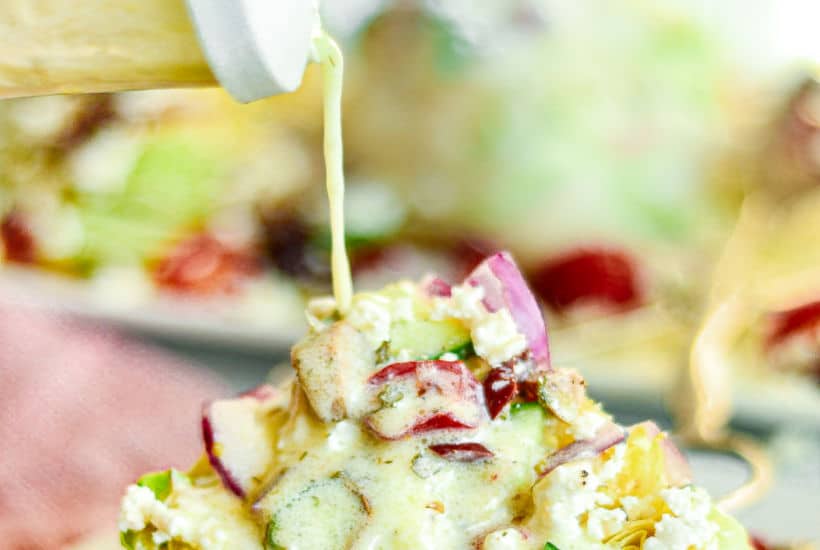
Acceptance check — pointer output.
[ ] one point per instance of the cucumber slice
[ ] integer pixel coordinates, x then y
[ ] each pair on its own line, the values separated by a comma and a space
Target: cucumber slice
528, 420
529, 409
143, 540
327, 514
430, 339
161, 483
128, 540
732, 535
528, 423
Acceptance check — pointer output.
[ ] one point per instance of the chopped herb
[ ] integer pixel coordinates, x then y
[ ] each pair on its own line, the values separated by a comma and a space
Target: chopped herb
461, 352
270, 537
383, 353
390, 395
550, 546
424, 465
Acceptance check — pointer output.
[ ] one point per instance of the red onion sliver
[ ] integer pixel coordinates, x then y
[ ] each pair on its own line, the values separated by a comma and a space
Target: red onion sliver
608, 436
504, 287
462, 452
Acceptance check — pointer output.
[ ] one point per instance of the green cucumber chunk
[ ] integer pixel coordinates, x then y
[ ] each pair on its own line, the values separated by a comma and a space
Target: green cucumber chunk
430, 339
732, 535
528, 420
137, 540
527, 409
161, 483
325, 515
128, 540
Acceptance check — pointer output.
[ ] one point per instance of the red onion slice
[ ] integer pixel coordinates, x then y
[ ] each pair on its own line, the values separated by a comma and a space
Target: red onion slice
504, 287
227, 425
608, 436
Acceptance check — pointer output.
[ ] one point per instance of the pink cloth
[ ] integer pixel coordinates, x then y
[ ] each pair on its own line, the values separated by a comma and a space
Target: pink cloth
83, 412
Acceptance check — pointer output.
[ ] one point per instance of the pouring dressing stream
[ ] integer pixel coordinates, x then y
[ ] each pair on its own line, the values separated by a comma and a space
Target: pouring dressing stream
327, 53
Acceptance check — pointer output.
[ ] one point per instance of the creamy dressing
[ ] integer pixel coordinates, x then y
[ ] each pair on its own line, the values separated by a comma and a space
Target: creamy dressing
420, 501
328, 54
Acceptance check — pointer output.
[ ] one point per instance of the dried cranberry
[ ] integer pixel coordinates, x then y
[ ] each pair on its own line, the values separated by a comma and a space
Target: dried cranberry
368, 258
757, 543
500, 387
204, 265
289, 247
18, 241
595, 275
784, 324
439, 421
462, 452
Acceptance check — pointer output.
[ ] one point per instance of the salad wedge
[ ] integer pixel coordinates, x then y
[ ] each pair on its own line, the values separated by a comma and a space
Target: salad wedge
429, 416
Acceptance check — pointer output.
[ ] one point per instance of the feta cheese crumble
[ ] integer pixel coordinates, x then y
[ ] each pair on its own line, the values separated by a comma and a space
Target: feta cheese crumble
43, 117
688, 525
602, 523
574, 509
370, 315
464, 303
138, 507
496, 338
103, 163
495, 335
209, 519
318, 311
587, 424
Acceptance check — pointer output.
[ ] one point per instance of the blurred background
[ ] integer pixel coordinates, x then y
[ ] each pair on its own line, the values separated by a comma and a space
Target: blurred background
646, 162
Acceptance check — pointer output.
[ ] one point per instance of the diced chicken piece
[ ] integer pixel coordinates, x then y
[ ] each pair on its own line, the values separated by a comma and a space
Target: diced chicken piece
332, 367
